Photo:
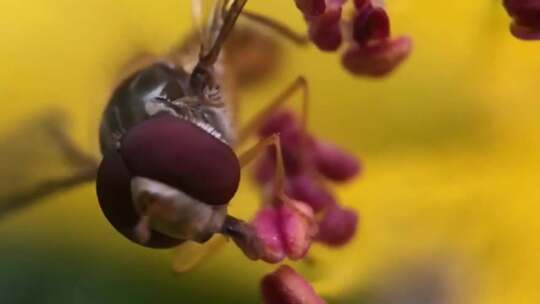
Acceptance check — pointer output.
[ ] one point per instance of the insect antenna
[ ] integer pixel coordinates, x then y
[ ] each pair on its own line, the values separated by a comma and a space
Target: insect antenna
231, 16
201, 74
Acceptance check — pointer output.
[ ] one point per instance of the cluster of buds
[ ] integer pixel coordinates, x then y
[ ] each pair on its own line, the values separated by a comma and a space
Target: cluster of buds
526, 15
306, 210
286, 229
370, 51
310, 165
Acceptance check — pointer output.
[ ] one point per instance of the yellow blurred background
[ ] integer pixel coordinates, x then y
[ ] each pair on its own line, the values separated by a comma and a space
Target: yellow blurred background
448, 198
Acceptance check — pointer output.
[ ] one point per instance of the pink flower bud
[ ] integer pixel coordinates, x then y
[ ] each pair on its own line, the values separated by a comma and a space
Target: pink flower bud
297, 228
526, 14
377, 59
371, 24
311, 7
285, 230
286, 286
334, 163
337, 226
325, 30
279, 122
267, 229
307, 189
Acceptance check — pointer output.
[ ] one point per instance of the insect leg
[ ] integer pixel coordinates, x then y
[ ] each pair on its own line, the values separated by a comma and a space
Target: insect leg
278, 27
242, 233
71, 151
24, 199
202, 75
300, 84
189, 255
232, 15
248, 156
85, 166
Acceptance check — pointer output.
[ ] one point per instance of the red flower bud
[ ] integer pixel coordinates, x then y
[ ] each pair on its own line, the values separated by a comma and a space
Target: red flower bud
325, 30
371, 24
334, 163
279, 122
338, 226
307, 189
285, 230
297, 228
286, 286
377, 59
526, 14
267, 229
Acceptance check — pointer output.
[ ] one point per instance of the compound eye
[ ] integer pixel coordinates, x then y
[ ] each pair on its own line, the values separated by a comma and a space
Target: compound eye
182, 155
114, 195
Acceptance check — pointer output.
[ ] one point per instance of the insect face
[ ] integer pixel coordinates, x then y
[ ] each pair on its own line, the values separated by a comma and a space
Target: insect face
171, 173
168, 171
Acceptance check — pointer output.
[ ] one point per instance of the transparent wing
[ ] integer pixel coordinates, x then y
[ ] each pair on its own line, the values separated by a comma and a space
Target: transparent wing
36, 159
208, 17
189, 255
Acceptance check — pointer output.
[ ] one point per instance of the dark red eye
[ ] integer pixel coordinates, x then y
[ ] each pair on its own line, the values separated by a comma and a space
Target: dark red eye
114, 195
180, 154
174, 152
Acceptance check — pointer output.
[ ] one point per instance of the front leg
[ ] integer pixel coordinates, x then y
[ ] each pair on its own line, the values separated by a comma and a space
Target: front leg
71, 152
299, 84
250, 155
244, 234
85, 171
24, 199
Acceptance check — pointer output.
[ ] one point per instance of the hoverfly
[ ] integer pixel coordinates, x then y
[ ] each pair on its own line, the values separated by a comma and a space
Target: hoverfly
168, 141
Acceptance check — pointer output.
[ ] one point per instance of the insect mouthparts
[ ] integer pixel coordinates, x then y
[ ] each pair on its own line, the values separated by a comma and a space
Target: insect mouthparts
174, 213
